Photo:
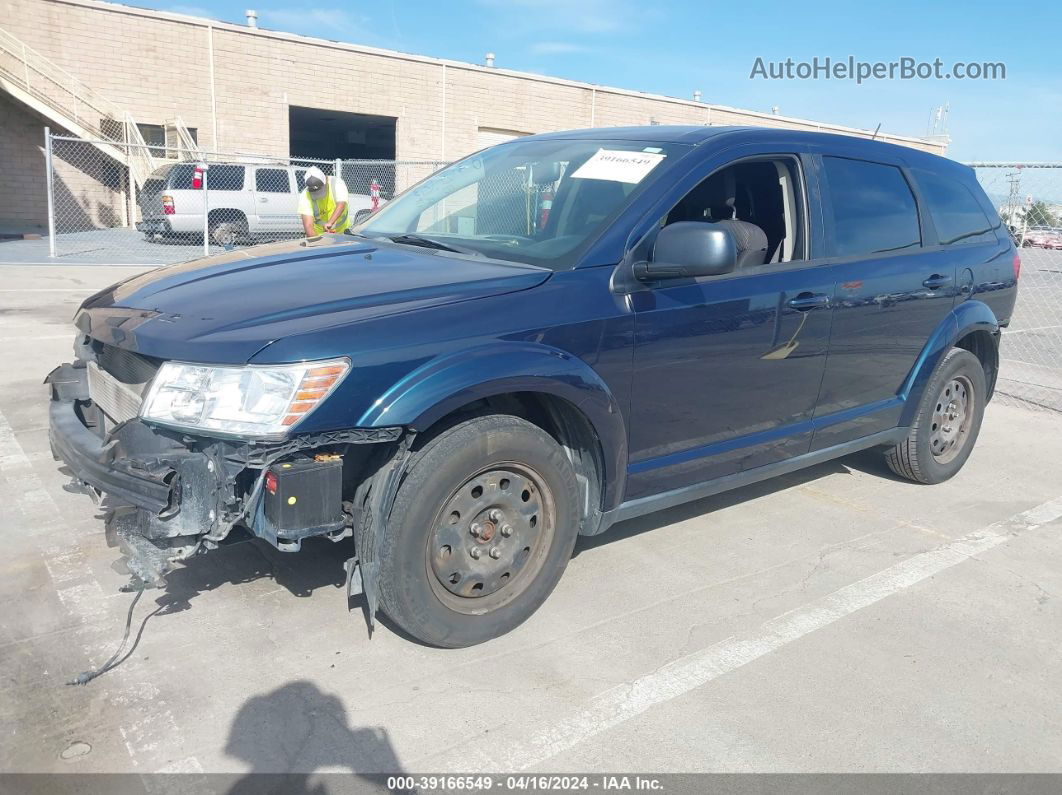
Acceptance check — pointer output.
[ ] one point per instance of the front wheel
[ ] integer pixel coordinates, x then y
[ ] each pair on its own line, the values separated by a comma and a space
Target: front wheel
948, 421
481, 530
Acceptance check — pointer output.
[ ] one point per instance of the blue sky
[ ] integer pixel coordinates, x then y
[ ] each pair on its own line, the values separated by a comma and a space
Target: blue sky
673, 47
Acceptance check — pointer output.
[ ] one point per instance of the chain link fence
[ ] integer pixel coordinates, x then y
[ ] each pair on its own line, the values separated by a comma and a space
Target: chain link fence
154, 204
1028, 197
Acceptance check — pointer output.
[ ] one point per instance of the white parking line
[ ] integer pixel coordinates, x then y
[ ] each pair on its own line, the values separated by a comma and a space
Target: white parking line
1011, 332
627, 701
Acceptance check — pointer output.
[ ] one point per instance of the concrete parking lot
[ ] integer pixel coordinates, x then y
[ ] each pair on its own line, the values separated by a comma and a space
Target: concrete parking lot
837, 619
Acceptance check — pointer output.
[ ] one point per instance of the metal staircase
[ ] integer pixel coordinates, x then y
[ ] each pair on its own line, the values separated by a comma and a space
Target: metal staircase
58, 96
180, 141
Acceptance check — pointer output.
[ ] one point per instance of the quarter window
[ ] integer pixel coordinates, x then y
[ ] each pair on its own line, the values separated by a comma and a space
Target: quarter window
272, 180
218, 177
873, 209
956, 214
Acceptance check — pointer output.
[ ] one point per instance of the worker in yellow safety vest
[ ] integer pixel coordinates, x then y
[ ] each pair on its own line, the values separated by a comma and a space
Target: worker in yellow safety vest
323, 204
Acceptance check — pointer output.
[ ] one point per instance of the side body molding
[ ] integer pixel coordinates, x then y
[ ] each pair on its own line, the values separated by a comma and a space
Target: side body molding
964, 318
448, 382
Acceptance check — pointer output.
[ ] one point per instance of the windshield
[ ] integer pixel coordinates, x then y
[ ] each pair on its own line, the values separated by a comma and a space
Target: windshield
541, 202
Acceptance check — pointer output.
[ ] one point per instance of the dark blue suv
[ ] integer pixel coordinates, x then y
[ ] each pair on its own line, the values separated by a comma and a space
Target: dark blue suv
543, 339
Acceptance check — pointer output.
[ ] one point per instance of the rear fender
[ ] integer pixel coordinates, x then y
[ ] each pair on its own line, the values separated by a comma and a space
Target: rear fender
447, 383
964, 318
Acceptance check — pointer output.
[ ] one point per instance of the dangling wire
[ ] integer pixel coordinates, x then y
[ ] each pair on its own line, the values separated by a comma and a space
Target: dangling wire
85, 677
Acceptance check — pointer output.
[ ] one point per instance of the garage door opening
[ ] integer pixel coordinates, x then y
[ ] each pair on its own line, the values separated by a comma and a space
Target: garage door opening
332, 134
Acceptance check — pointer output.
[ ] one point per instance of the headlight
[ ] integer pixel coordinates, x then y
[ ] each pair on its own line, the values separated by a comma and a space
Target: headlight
245, 401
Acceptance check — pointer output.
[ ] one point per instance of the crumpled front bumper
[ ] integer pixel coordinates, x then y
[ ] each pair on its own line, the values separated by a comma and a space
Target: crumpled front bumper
92, 462
168, 494
160, 497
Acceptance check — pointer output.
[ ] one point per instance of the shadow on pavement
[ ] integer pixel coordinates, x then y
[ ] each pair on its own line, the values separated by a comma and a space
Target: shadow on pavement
318, 565
689, 510
296, 730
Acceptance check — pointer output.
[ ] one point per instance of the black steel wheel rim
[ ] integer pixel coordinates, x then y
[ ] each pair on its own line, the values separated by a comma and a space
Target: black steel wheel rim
952, 419
490, 538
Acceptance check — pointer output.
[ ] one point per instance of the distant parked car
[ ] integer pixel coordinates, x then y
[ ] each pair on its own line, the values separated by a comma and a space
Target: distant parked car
246, 202
1043, 237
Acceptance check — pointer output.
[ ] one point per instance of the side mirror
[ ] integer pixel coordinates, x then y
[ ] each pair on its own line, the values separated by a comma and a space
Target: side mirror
360, 216
689, 249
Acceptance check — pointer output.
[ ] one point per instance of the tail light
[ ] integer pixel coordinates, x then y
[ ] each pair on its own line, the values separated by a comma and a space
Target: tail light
167, 205
197, 178
1017, 265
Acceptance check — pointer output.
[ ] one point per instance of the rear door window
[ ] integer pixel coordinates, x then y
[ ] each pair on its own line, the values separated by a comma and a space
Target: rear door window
272, 180
955, 211
872, 207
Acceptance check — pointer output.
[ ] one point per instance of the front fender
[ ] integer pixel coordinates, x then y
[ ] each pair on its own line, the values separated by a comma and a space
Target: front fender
965, 317
447, 383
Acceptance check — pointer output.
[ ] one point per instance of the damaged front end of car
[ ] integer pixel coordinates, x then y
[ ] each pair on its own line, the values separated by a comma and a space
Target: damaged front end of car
168, 493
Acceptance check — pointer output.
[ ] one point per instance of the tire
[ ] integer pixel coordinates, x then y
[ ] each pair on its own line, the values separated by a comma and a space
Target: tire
225, 232
940, 440
526, 511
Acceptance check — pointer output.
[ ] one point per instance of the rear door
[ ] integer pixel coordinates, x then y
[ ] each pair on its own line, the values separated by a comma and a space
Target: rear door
231, 196
969, 230
273, 192
893, 289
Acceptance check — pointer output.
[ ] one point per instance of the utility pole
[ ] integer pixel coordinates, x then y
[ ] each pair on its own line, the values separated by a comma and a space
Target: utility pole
1014, 202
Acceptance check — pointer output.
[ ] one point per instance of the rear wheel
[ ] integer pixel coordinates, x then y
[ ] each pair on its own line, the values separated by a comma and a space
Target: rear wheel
228, 232
948, 421
480, 533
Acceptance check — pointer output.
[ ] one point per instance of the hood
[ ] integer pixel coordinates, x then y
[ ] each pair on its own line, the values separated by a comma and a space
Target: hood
224, 309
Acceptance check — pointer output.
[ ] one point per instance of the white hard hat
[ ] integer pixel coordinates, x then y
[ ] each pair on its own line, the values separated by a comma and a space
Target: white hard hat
314, 176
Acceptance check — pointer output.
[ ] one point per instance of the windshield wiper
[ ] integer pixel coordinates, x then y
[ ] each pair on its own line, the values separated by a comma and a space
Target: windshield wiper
428, 242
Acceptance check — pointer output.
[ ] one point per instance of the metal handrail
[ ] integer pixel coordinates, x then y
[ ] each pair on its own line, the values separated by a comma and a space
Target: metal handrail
188, 145
54, 76
140, 160
64, 93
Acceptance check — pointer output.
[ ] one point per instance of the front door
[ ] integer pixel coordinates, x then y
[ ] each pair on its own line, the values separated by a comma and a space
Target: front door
273, 199
727, 368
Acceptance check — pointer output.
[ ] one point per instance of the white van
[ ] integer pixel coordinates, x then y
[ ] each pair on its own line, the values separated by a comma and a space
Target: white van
246, 202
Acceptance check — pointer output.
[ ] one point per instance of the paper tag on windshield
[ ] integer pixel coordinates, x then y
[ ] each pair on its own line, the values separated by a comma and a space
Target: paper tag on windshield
618, 165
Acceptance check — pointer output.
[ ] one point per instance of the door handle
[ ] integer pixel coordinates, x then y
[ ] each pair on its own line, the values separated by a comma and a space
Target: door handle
263, 200
936, 281
806, 301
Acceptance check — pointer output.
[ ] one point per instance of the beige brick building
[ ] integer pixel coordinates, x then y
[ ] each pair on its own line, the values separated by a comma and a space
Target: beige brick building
244, 89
